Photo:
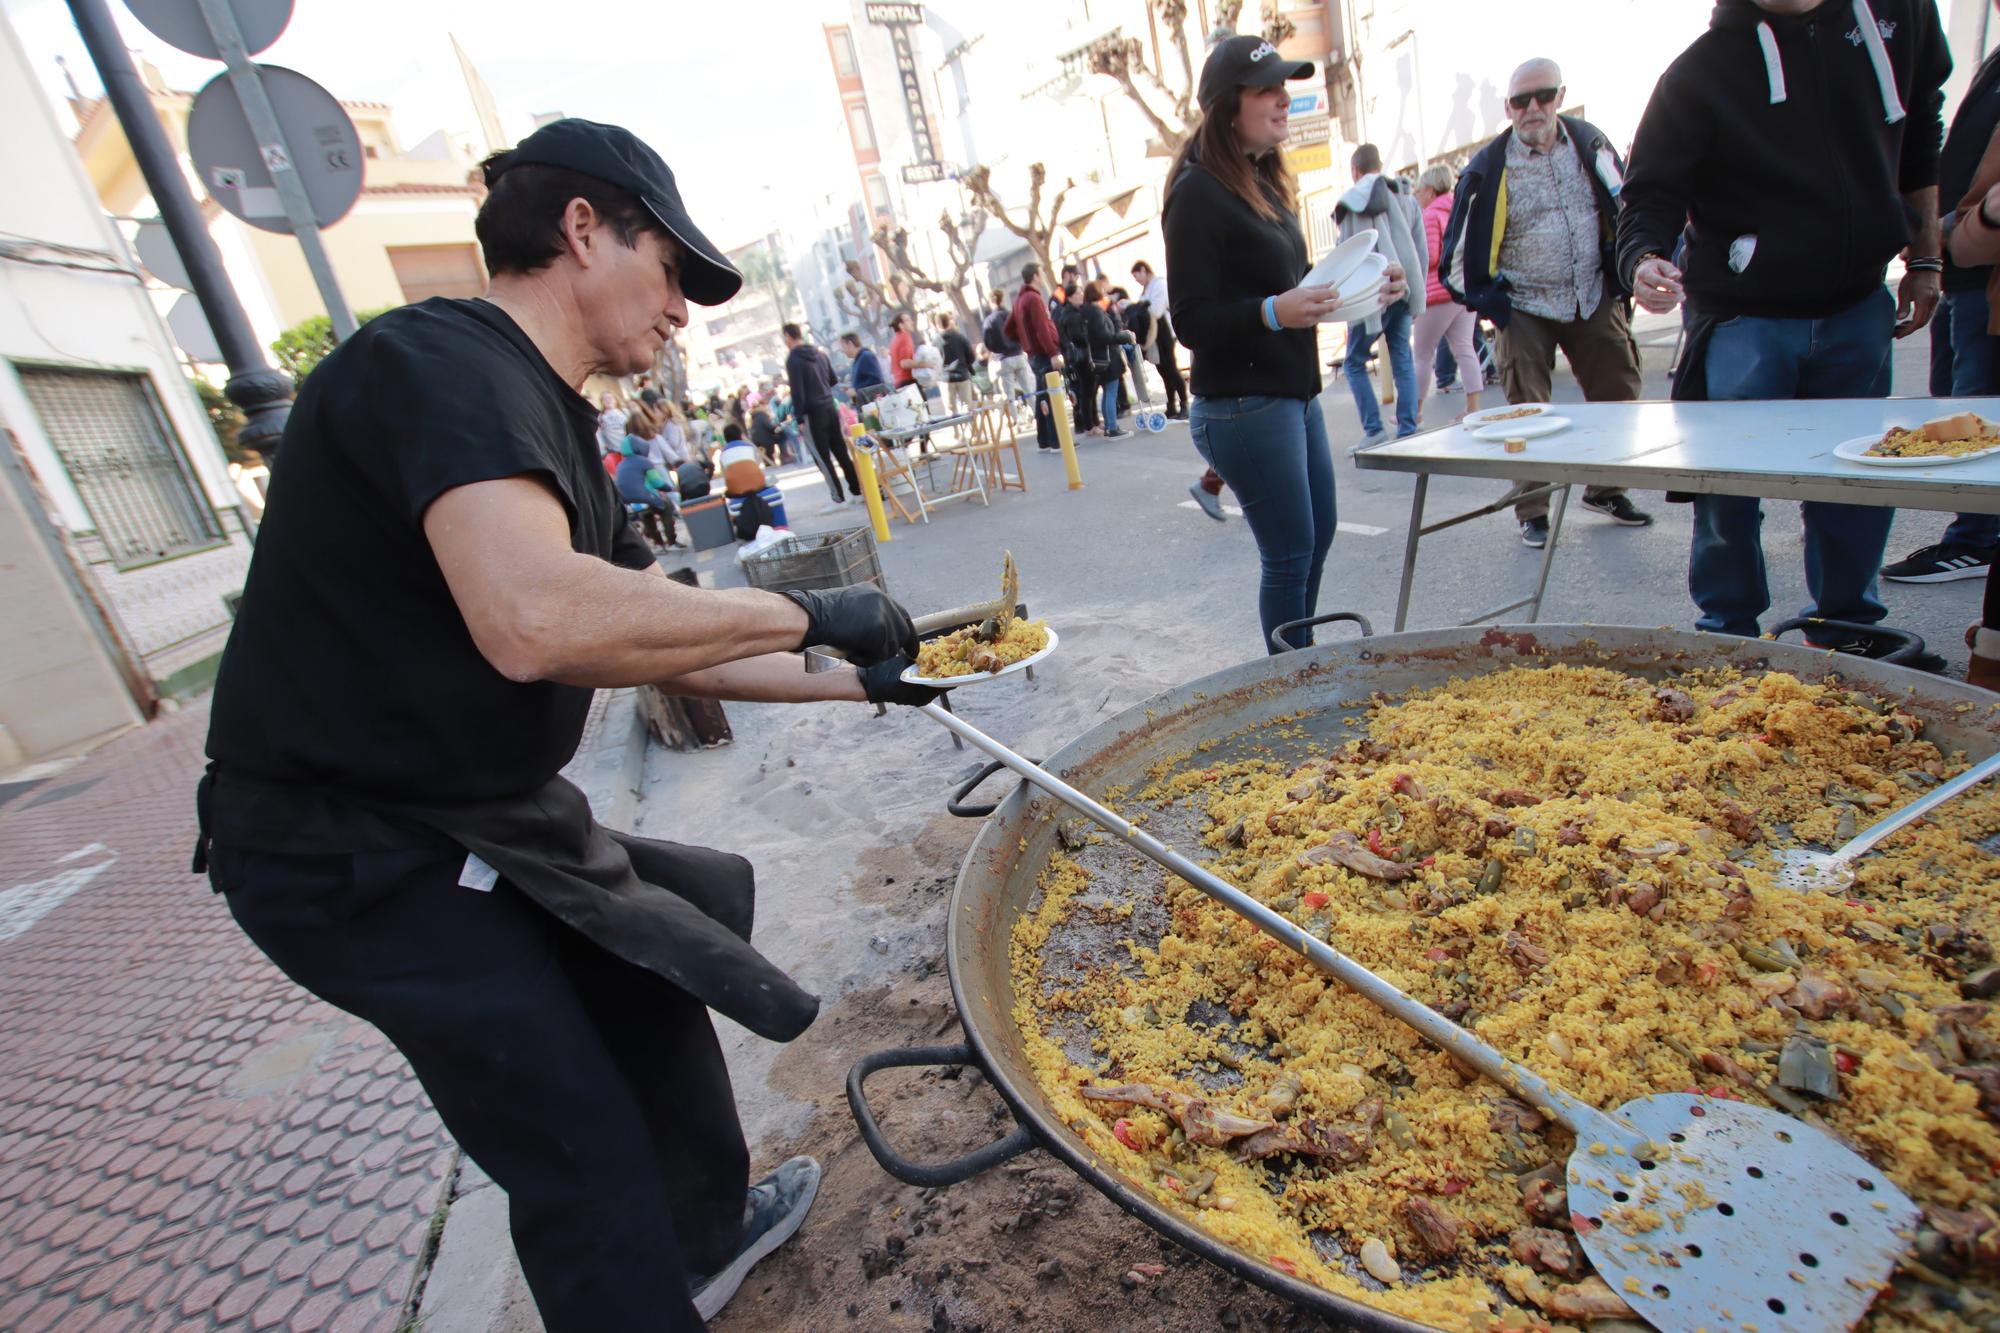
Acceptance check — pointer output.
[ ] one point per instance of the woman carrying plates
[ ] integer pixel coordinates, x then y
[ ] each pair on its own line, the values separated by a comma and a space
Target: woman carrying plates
1237, 256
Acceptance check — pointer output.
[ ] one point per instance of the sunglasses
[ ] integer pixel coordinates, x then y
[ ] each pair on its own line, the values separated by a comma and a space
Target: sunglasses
1540, 96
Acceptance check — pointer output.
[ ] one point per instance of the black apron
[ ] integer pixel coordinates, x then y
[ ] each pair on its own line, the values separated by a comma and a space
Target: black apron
682, 913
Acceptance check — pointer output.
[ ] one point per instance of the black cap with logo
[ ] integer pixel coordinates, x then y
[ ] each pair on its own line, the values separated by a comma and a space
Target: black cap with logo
617, 157
1246, 62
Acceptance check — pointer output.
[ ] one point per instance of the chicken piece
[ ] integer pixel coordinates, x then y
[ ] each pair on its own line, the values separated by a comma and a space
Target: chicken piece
1963, 1241
1672, 705
1200, 1121
1504, 1114
1437, 1231
1591, 1298
1550, 1250
1499, 826
1345, 849
1282, 1095
1816, 997
1345, 1142
1986, 1080
1570, 835
1545, 1197
1739, 823
1514, 798
1523, 953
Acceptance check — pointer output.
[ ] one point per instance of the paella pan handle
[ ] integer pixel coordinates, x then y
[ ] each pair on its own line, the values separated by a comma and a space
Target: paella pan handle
930, 1176
955, 803
1586, 1121
1909, 648
1279, 644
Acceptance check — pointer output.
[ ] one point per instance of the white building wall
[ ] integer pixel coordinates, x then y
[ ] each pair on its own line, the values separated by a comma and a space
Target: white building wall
61, 316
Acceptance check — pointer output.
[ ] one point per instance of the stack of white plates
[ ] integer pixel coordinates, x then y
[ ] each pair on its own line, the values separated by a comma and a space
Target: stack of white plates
1360, 294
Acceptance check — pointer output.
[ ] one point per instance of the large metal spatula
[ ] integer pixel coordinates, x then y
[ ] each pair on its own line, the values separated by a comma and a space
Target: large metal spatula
1807, 871
1700, 1213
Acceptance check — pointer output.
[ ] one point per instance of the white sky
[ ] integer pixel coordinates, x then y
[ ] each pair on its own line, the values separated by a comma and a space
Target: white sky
733, 112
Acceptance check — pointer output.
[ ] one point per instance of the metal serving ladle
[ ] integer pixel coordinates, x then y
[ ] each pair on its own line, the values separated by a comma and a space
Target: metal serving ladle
1757, 1221
1808, 871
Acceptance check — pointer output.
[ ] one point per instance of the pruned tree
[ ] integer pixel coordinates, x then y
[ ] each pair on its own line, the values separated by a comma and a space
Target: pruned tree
961, 238
872, 303
1124, 59
1036, 227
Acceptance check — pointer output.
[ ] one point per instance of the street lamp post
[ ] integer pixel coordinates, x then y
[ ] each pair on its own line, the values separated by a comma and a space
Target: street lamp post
264, 393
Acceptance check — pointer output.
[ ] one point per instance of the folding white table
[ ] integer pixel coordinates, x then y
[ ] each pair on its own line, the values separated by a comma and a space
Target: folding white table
1777, 450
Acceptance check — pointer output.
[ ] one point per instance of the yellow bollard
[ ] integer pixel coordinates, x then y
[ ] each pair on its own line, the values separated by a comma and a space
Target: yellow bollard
871, 491
1059, 405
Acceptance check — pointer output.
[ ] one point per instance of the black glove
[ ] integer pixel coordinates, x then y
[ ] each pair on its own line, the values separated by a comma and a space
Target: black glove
883, 683
861, 621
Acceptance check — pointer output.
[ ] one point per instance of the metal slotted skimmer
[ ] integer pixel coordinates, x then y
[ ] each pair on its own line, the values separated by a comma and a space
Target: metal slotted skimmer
1701, 1213
1805, 870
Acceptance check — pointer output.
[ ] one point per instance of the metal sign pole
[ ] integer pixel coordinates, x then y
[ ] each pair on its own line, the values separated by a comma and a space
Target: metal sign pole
249, 88
264, 394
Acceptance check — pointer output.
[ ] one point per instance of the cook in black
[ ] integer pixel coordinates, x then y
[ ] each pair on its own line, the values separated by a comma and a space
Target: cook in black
443, 576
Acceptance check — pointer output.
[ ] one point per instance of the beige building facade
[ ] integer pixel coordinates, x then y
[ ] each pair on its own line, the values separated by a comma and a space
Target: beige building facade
408, 237
121, 534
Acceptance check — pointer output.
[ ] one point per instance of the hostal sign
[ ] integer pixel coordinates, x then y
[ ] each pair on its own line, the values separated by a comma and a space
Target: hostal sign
899, 19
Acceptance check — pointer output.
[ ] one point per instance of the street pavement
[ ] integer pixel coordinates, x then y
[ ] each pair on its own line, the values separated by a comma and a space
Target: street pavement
188, 1141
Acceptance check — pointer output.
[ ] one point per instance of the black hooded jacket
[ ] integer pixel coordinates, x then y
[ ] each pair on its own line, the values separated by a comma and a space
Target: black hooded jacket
1775, 136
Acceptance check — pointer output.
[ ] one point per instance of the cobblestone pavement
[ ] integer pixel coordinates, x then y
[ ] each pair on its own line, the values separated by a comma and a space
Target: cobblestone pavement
187, 1140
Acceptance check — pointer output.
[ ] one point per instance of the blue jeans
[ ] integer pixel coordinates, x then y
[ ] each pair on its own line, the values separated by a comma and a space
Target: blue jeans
1108, 403
1274, 455
1396, 322
1842, 356
1965, 363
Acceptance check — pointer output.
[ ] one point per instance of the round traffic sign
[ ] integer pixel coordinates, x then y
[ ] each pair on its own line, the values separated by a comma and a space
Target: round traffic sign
179, 24
320, 142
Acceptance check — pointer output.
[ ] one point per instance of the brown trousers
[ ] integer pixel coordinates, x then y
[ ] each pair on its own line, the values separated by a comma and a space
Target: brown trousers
1601, 352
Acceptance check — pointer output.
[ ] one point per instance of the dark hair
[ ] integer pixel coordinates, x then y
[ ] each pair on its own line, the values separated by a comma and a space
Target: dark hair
732, 433
943, 319
1030, 271
1120, 294
520, 224
1366, 158
851, 337
1092, 293
791, 330
1212, 143
999, 296
1071, 268
898, 322
1138, 264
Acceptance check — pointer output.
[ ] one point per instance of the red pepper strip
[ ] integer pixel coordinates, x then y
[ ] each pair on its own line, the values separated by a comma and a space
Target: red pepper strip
1122, 1131
1427, 863
1845, 1063
1375, 842
1314, 898
1284, 1265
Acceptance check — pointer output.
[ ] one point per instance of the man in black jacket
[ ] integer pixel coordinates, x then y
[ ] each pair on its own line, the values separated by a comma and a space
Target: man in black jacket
1795, 143
811, 378
1543, 269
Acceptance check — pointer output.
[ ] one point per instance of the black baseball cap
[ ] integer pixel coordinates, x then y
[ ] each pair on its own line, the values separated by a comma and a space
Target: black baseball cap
1246, 62
617, 157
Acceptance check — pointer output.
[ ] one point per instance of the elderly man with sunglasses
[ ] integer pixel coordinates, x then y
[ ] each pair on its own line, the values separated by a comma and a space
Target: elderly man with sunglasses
1531, 245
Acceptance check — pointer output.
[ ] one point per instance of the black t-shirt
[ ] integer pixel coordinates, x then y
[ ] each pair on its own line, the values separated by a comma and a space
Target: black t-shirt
350, 669
957, 355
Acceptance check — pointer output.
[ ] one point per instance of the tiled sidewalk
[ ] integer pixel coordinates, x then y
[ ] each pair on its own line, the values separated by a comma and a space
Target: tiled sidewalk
187, 1141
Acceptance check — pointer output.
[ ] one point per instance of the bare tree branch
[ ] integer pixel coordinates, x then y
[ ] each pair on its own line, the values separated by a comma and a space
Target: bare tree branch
1118, 58
1277, 28
1034, 228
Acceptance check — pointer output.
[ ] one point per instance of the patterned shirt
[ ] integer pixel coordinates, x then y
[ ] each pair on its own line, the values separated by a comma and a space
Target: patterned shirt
1550, 249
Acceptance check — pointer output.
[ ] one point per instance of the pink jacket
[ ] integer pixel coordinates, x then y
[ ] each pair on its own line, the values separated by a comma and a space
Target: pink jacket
1436, 214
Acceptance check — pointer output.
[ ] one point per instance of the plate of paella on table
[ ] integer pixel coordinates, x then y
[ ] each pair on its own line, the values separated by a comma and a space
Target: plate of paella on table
1947, 440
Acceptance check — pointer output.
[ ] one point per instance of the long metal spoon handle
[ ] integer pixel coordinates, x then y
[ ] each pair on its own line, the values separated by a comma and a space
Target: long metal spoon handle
1917, 809
1586, 1121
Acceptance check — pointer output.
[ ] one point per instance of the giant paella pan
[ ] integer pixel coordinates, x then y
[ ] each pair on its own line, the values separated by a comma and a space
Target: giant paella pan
1559, 837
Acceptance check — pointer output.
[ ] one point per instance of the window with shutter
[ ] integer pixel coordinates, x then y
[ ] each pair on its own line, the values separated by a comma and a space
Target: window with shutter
121, 455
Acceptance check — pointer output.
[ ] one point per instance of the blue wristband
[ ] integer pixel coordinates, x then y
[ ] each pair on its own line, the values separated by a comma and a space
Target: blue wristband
1271, 313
